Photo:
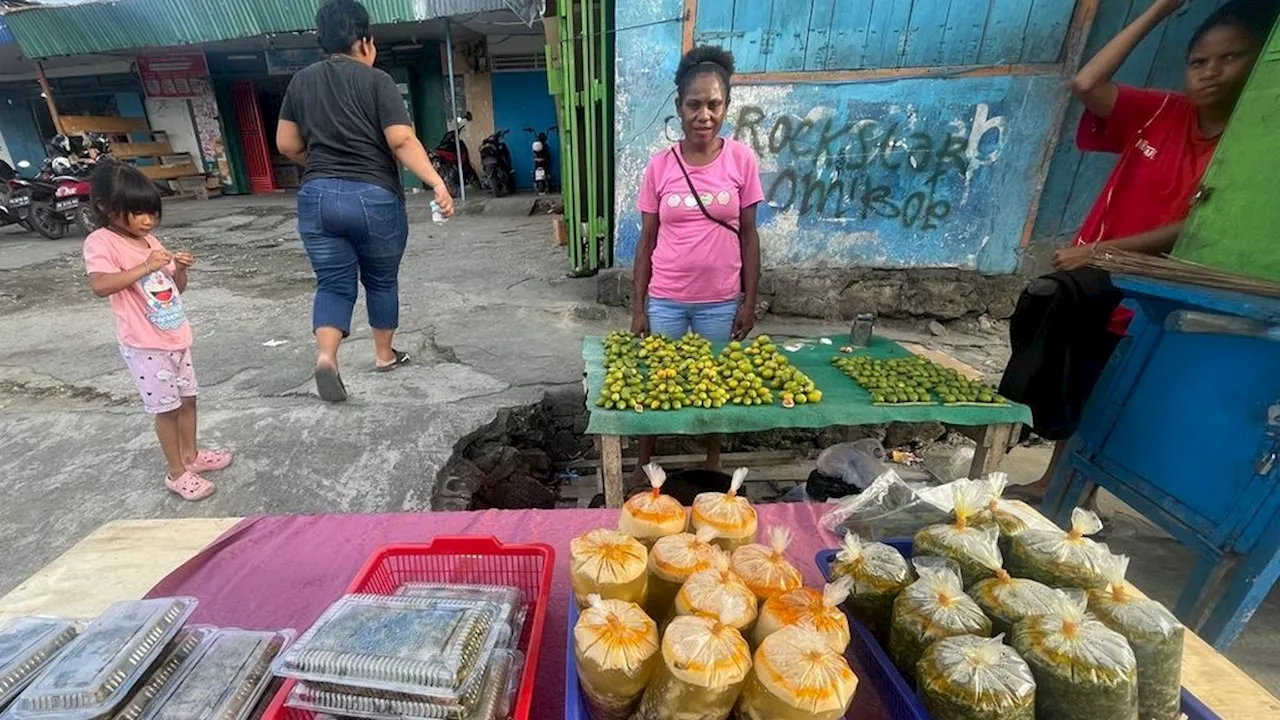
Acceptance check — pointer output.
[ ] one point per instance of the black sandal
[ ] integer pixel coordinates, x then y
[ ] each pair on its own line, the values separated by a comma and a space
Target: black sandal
329, 384
401, 359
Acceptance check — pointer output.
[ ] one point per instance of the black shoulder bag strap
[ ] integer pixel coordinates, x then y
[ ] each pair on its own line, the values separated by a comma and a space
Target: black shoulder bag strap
698, 197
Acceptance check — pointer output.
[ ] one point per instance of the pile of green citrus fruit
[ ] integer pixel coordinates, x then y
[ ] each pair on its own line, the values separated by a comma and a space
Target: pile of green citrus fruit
914, 379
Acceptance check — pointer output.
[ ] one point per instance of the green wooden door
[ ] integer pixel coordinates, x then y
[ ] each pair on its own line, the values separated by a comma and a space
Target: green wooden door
1236, 224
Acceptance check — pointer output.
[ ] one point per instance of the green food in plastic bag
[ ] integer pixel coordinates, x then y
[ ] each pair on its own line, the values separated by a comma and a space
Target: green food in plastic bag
930, 609
1083, 669
1154, 634
1062, 559
876, 574
967, 677
1008, 600
1011, 517
974, 548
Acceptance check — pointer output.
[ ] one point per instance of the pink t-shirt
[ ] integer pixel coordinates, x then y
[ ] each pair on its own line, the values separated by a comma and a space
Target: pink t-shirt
697, 260
149, 314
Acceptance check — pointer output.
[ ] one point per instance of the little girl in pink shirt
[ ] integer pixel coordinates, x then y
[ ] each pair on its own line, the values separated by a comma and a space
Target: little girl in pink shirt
144, 283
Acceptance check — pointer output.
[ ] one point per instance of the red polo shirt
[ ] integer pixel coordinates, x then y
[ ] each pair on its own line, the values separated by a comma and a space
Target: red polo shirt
1163, 154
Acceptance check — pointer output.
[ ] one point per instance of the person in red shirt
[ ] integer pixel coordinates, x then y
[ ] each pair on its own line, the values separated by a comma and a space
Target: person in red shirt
1164, 139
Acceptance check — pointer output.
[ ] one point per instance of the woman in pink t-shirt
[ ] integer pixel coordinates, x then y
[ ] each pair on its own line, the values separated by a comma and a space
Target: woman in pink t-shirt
698, 262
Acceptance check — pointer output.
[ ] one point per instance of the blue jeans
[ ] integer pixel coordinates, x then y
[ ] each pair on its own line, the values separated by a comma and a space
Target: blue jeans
713, 321
353, 231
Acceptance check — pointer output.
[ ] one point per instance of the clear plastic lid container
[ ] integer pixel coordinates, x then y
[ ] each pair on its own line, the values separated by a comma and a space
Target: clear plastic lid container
28, 644
420, 646
492, 701
98, 669
223, 680
510, 600
190, 641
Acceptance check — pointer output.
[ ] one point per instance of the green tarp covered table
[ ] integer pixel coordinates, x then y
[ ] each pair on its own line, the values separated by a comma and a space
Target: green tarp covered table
844, 402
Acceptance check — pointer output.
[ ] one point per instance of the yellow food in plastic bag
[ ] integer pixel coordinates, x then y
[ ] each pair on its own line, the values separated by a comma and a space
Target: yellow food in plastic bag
652, 515
1154, 634
1008, 600
1062, 559
616, 646
974, 548
609, 564
704, 665
967, 677
718, 592
818, 611
930, 609
797, 676
728, 514
877, 573
765, 568
1083, 669
673, 559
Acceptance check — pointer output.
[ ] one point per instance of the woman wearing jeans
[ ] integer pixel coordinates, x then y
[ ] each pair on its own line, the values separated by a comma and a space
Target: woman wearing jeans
698, 261
345, 122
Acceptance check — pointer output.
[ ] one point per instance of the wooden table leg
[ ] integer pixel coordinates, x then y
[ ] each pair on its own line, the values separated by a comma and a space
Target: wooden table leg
993, 444
611, 469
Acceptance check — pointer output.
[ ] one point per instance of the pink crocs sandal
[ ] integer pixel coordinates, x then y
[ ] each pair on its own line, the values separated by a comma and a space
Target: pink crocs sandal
209, 461
190, 486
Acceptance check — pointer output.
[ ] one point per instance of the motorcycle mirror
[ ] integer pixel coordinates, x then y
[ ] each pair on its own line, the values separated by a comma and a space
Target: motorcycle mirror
24, 164
469, 118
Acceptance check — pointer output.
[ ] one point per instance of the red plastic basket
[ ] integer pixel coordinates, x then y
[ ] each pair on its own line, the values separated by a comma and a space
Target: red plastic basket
468, 560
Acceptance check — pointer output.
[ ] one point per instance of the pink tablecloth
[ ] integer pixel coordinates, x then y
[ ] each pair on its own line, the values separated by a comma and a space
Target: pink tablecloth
282, 572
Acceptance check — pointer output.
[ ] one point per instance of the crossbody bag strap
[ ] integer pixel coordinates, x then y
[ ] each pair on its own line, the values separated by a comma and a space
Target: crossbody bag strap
698, 197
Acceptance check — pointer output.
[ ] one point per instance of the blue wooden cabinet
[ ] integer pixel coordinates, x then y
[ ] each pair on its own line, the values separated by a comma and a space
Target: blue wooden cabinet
1184, 426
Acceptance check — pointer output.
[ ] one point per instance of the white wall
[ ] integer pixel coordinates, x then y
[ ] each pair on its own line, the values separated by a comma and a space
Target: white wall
173, 115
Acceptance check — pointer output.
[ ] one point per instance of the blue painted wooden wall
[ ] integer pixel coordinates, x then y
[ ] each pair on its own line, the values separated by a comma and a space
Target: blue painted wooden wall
521, 98
1075, 177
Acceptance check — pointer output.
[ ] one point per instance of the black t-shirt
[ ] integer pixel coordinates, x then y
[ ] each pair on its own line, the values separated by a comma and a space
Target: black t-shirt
342, 107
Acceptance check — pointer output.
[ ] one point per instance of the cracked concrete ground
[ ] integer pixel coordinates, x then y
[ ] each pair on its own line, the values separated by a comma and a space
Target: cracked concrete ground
486, 311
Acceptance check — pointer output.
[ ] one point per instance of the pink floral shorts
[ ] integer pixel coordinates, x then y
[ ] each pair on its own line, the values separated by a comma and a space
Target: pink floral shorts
163, 377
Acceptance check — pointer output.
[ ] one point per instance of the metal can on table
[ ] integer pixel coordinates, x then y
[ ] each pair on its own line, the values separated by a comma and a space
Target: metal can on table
863, 326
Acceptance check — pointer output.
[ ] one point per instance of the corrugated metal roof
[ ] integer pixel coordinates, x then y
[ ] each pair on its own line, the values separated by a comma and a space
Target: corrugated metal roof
98, 26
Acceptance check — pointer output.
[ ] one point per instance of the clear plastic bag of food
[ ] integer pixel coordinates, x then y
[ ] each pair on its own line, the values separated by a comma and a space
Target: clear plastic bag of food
673, 559
1062, 559
510, 601
224, 680
189, 641
433, 648
856, 463
95, 672
704, 666
1083, 669
929, 609
616, 646
718, 592
491, 699
974, 548
797, 675
967, 677
27, 644
1154, 634
652, 515
728, 514
876, 573
889, 508
1012, 517
765, 568
610, 564
817, 610
1008, 600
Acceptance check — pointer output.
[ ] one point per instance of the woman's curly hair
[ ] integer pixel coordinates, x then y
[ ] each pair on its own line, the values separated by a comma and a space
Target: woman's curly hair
704, 59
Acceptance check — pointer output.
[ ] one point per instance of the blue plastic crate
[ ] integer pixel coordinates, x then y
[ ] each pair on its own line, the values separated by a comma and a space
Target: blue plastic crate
902, 701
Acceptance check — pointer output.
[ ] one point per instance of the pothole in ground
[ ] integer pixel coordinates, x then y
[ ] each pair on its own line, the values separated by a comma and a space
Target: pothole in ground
538, 456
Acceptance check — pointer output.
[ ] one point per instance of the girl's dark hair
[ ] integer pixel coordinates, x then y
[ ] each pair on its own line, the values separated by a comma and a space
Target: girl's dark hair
340, 23
1255, 16
701, 60
118, 189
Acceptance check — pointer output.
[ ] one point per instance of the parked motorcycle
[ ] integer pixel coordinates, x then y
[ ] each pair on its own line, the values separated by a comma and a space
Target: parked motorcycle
541, 160
8, 212
445, 159
495, 157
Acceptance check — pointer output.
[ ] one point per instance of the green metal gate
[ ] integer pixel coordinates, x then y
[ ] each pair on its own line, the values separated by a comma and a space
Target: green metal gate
580, 75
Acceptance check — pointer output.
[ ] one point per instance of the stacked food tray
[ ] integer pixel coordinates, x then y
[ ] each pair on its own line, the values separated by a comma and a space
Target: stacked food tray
446, 630
900, 698
137, 661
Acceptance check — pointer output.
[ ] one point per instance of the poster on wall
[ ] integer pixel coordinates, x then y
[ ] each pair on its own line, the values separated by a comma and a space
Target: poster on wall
171, 75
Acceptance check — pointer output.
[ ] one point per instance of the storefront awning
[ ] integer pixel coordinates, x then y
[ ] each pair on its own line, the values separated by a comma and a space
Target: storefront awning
50, 28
